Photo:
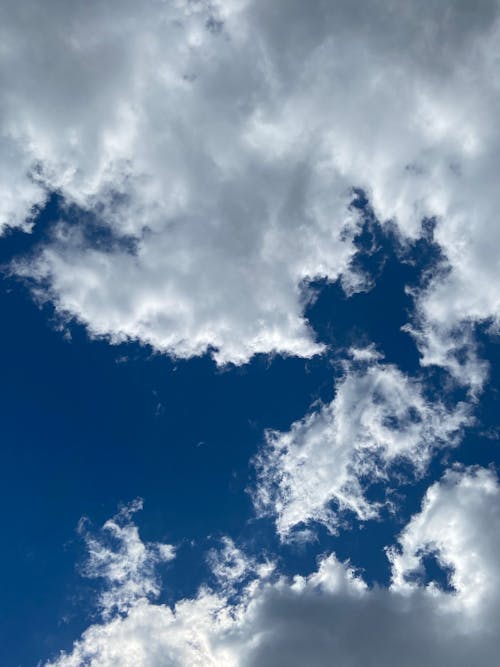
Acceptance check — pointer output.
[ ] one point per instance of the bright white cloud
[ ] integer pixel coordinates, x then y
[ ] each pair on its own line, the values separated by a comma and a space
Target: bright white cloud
459, 523
168, 153
332, 615
378, 419
225, 138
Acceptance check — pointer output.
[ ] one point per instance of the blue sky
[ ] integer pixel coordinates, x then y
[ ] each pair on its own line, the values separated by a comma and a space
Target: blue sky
250, 350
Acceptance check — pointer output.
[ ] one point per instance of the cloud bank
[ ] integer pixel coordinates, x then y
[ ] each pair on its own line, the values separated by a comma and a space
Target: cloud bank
330, 616
223, 139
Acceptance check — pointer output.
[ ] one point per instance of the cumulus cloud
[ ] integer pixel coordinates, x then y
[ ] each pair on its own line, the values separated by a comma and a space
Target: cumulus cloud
459, 525
378, 419
169, 154
332, 616
224, 139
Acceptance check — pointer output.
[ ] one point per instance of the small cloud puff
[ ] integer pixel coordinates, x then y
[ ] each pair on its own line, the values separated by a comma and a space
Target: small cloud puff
118, 556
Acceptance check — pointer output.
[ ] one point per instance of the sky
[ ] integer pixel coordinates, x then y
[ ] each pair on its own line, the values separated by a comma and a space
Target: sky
250, 344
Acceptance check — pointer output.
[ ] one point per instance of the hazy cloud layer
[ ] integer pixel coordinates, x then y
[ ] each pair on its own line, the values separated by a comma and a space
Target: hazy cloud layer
331, 616
225, 138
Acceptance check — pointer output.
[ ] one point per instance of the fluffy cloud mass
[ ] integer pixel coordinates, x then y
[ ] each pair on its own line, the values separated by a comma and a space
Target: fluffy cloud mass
331, 616
219, 142
378, 419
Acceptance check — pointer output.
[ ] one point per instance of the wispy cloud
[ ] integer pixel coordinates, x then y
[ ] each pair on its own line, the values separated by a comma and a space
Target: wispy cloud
325, 464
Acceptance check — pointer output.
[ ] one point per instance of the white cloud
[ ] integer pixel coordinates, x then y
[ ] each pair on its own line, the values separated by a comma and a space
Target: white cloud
225, 138
450, 345
332, 616
459, 523
323, 465
167, 153
232, 567
123, 561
